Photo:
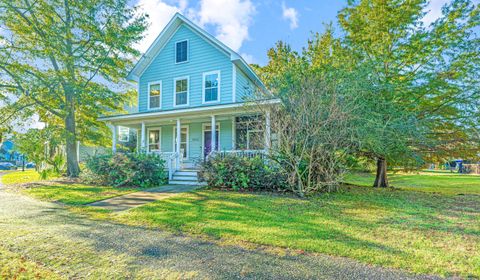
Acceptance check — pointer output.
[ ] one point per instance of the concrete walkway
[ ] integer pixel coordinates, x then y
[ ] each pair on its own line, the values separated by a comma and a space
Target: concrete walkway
125, 202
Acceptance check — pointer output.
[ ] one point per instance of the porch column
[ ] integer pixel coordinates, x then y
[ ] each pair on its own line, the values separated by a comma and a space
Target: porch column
267, 131
114, 138
178, 140
142, 138
179, 136
214, 134
234, 133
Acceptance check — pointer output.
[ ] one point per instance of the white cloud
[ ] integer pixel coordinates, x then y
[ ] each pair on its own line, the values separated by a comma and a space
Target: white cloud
290, 14
231, 18
160, 14
248, 58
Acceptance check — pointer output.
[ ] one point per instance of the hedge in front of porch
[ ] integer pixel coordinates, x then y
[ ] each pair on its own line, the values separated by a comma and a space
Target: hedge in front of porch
225, 171
126, 170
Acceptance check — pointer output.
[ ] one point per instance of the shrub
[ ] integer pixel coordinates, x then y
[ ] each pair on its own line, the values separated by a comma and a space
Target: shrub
240, 173
134, 170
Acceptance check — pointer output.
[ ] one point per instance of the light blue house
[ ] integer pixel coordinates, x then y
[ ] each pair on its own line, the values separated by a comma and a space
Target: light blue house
188, 83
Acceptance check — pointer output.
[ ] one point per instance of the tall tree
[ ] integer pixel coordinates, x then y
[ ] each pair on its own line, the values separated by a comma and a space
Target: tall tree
65, 60
428, 71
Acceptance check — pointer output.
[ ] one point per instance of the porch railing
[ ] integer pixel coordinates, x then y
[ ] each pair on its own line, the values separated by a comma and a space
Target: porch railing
241, 153
173, 160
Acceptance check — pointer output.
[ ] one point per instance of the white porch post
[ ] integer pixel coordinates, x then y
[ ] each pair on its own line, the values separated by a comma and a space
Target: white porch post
234, 133
114, 138
142, 138
178, 140
214, 134
267, 131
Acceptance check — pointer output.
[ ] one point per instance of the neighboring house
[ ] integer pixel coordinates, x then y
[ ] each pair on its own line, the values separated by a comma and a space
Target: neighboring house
188, 83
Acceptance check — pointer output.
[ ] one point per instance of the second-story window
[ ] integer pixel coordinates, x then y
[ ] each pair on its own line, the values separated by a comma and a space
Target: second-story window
181, 91
211, 86
181, 51
154, 95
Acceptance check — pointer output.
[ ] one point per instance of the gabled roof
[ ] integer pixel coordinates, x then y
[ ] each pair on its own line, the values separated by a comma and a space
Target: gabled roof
168, 32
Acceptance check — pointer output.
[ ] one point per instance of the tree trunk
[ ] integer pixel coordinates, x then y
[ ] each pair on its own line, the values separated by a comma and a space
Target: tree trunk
73, 169
381, 180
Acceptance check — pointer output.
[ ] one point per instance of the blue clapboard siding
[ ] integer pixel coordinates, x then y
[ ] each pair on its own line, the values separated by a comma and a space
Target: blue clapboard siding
202, 57
245, 89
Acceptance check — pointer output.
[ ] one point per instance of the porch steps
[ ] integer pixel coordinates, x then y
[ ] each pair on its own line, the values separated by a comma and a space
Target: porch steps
185, 177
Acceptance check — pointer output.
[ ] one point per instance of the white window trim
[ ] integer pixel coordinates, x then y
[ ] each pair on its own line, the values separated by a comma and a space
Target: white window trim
175, 91
204, 128
205, 74
159, 138
188, 138
160, 97
188, 51
119, 134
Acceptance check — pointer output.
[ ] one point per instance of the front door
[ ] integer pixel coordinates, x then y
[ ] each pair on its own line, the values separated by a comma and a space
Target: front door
207, 136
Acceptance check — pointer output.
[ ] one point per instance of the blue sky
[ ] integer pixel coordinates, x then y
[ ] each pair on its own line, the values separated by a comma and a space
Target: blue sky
251, 27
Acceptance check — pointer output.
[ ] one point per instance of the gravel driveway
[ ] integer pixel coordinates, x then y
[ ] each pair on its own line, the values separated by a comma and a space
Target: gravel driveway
79, 248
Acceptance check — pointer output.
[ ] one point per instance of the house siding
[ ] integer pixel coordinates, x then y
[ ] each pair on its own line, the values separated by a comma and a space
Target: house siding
245, 88
202, 57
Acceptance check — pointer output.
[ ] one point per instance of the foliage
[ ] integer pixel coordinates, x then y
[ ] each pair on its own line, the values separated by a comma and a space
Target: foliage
428, 74
65, 73
44, 147
240, 173
130, 169
418, 84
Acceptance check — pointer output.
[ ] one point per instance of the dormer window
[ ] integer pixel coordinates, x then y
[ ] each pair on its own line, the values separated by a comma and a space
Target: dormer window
181, 51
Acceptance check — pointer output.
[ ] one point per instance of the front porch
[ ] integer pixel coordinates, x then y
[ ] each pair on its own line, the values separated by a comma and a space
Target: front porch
186, 139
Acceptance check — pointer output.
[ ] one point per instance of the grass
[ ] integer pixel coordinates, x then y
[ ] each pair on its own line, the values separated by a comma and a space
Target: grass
15, 266
424, 226
67, 192
431, 182
20, 177
420, 232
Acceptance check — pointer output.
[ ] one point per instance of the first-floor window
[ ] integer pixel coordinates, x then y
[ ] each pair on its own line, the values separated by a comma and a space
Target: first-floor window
181, 91
123, 134
154, 140
249, 133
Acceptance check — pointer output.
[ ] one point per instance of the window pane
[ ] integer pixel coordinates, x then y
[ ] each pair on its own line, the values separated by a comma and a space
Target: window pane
181, 85
214, 93
154, 101
182, 49
155, 90
181, 98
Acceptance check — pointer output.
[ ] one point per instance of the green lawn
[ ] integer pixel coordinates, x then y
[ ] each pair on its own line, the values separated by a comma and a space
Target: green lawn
430, 230
16, 266
20, 177
434, 182
65, 192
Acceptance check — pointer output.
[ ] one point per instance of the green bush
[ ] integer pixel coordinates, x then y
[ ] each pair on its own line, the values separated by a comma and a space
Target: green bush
133, 170
240, 173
